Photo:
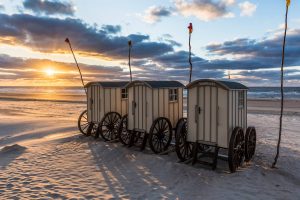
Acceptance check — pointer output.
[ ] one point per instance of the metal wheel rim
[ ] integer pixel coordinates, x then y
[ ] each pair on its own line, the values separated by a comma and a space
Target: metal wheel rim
250, 143
83, 124
124, 134
109, 126
160, 135
236, 149
183, 148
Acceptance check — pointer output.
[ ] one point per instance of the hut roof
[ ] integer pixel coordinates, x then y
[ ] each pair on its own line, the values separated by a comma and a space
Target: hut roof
159, 84
109, 84
229, 85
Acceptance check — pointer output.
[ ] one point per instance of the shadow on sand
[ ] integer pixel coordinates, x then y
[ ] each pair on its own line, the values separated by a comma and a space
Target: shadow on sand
9, 154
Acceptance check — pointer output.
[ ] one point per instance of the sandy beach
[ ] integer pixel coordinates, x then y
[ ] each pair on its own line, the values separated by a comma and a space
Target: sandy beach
43, 155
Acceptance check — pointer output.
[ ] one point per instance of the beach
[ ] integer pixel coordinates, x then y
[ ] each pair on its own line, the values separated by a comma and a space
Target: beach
43, 155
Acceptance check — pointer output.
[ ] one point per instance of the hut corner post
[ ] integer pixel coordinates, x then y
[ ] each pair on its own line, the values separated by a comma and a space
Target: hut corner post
69, 42
281, 86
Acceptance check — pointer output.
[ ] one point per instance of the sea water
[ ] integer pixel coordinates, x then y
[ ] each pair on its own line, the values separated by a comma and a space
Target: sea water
77, 94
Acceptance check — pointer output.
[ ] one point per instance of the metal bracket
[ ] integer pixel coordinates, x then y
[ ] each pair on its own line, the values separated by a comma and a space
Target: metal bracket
218, 115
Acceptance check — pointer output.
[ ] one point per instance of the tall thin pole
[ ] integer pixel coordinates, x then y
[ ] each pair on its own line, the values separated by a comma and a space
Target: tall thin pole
129, 55
190, 27
69, 42
281, 85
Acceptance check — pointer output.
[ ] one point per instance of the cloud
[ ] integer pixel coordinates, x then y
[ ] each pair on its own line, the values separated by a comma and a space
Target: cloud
47, 35
111, 29
205, 10
264, 53
34, 69
155, 13
247, 8
49, 7
2, 8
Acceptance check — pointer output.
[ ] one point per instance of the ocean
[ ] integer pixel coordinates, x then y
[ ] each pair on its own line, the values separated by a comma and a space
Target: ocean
77, 94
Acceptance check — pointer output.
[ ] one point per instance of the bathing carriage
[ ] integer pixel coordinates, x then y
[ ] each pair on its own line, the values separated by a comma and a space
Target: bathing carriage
154, 110
106, 104
216, 119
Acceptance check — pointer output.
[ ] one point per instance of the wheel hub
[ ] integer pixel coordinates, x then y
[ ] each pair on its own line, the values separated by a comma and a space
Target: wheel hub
161, 136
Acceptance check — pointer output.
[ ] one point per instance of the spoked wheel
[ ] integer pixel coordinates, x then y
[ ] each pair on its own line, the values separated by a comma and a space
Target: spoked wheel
250, 143
236, 149
83, 124
160, 135
184, 119
124, 134
109, 125
183, 148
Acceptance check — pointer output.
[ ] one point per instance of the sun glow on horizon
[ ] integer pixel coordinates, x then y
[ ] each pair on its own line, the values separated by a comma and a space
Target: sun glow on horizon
49, 72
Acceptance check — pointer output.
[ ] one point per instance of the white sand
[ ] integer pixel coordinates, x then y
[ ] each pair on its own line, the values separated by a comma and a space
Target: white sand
43, 156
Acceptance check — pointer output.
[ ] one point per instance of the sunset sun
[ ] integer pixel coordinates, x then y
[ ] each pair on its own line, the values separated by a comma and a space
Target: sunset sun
49, 72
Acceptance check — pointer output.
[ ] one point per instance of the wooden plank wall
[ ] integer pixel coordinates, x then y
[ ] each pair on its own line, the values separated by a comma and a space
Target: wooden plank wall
130, 108
237, 115
149, 108
104, 100
162, 107
213, 116
222, 137
192, 124
153, 103
89, 105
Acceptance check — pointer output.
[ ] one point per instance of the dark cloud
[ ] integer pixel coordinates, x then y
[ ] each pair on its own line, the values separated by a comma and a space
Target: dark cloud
260, 54
161, 12
111, 29
47, 35
155, 13
155, 60
49, 7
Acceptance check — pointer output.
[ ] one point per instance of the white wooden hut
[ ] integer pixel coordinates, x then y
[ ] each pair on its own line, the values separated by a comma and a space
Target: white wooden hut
149, 100
215, 108
217, 118
154, 108
106, 104
105, 97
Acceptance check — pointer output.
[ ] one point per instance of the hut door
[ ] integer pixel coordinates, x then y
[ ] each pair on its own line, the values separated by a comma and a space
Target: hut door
206, 114
139, 107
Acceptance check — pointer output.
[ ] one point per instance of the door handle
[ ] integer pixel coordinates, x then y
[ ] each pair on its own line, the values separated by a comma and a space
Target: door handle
133, 107
197, 108
91, 103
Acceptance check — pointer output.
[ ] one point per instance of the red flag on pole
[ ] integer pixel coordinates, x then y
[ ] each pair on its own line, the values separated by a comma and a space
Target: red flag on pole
190, 27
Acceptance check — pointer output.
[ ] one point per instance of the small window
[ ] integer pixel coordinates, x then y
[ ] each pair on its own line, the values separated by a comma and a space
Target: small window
241, 99
173, 94
124, 93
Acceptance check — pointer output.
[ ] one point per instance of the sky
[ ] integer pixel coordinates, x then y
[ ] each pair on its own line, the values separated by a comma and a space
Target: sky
236, 37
